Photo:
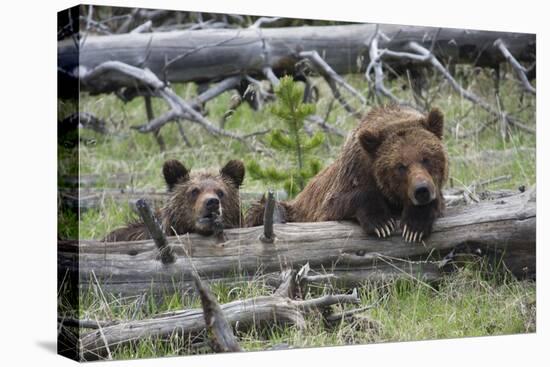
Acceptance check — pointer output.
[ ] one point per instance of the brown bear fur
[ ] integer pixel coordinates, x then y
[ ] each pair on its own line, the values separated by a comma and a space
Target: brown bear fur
202, 203
255, 214
394, 154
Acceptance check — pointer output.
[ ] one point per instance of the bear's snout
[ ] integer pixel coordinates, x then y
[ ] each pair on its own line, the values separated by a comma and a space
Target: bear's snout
212, 204
421, 187
422, 194
210, 214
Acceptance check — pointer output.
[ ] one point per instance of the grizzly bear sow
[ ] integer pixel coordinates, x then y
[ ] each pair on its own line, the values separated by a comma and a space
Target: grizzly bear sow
393, 165
199, 203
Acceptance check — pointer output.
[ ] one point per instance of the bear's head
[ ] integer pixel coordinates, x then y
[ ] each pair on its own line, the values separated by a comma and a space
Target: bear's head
409, 158
203, 201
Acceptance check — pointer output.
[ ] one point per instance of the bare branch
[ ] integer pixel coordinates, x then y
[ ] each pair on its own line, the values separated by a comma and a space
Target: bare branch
144, 28
288, 285
83, 323
221, 336
178, 107
333, 79
520, 71
270, 75
324, 125
268, 235
264, 20
221, 87
462, 92
376, 64
328, 300
157, 234
129, 19
150, 117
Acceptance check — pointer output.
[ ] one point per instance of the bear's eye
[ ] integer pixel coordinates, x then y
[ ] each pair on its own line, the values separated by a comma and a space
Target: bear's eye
425, 161
220, 193
195, 192
401, 168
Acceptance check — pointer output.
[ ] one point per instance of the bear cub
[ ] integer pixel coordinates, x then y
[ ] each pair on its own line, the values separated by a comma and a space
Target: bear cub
202, 202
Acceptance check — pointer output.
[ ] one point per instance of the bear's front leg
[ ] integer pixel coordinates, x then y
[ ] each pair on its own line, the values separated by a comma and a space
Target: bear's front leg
417, 220
373, 214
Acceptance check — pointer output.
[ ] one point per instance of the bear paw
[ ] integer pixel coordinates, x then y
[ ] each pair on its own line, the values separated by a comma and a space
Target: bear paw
382, 228
411, 235
417, 221
416, 231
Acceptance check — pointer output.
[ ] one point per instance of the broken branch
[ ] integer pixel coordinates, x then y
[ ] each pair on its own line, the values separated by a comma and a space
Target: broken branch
332, 78
221, 338
520, 71
461, 91
278, 308
268, 235
156, 232
115, 70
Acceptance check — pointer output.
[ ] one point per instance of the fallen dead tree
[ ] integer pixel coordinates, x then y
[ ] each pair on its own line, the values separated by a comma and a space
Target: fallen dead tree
180, 56
338, 251
138, 64
282, 307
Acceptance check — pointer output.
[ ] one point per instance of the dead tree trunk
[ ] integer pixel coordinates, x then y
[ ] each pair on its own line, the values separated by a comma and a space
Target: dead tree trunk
145, 64
213, 55
504, 228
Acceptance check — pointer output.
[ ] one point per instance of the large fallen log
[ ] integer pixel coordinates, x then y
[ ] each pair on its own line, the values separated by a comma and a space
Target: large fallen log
504, 228
216, 54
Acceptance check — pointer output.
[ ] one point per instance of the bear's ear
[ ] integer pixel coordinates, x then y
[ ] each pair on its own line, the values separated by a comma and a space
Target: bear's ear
174, 172
234, 170
434, 122
370, 140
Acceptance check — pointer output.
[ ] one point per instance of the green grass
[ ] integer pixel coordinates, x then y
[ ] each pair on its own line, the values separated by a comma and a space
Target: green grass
465, 303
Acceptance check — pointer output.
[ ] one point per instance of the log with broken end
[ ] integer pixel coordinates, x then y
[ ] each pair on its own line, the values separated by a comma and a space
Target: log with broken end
179, 56
505, 227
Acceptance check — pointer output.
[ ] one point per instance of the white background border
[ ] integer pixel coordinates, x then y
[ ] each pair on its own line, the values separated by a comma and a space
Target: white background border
28, 180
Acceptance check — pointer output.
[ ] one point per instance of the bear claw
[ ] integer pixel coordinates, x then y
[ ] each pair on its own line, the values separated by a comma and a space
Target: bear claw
411, 236
385, 229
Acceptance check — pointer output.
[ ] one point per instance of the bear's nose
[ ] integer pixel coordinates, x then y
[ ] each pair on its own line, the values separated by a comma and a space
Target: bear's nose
422, 194
212, 204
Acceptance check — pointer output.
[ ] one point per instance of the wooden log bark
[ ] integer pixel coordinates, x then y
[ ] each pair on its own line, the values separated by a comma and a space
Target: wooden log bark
213, 55
505, 228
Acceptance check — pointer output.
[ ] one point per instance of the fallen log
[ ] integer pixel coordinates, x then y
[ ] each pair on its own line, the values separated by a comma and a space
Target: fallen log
282, 308
215, 54
338, 251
